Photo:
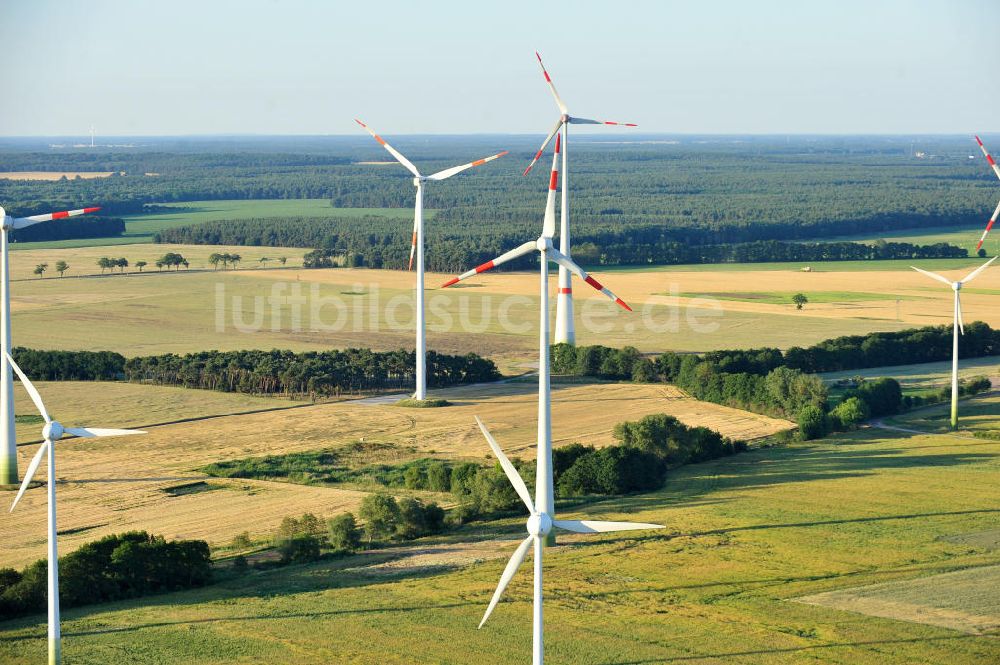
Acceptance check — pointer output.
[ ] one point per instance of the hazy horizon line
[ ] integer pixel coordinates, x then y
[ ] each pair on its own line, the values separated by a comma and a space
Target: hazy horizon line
513, 134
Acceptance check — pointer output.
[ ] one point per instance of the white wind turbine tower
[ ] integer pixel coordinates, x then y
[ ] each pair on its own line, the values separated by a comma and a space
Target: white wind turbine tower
52, 432
417, 246
996, 213
958, 325
8, 441
565, 330
542, 510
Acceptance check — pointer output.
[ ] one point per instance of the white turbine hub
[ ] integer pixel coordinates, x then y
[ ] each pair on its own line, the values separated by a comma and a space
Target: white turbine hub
543, 244
53, 431
957, 286
539, 525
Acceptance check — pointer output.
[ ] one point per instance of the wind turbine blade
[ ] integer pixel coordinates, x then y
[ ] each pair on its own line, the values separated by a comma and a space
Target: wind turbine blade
588, 121
515, 562
566, 262
512, 475
933, 275
549, 226
91, 432
989, 157
447, 173
30, 473
30, 387
392, 151
413, 243
552, 87
503, 258
594, 526
21, 222
975, 273
989, 225
958, 312
548, 138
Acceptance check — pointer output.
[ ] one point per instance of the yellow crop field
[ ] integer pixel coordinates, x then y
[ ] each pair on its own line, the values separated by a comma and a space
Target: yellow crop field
494, 314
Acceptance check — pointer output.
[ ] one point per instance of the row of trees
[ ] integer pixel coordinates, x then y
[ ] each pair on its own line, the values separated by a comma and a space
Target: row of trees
318, 373
233, 260
168, 260
115, 567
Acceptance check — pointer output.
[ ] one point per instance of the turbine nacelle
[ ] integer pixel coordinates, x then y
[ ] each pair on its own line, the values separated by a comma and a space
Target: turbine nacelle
53, 431
539, 525
956, 286
544, 244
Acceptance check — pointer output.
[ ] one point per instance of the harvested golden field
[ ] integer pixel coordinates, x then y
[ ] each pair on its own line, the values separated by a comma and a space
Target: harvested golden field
53, 175
494, 315
112, 485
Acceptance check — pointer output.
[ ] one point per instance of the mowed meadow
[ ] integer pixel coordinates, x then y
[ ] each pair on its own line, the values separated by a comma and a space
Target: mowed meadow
759, 553
113, 485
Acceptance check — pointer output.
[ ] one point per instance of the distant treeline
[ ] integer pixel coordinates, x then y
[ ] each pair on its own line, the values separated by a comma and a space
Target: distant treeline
784, 384
70, 365
780, 392
378, 242
115, 567
318, 373
275, 372
71, 227
877, 349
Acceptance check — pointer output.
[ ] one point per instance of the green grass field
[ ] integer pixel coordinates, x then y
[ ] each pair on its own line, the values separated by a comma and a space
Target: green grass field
785, 297
814, 266
920, 378
966, 237
742, 540
141, 228
979, 414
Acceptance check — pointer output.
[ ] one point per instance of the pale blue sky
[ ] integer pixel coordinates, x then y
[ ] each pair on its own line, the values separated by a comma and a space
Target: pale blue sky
308, 67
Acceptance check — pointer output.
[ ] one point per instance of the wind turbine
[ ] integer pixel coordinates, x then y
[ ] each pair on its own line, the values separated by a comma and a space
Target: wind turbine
996, 213
52, 432
8, 440
958, 325
542, 510
417, 245
565, 331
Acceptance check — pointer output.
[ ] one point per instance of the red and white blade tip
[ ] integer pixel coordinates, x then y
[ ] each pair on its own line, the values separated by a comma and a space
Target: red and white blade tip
620, 124
985, 233
600, 287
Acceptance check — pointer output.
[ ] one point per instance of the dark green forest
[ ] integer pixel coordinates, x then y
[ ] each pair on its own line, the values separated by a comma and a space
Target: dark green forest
660, 194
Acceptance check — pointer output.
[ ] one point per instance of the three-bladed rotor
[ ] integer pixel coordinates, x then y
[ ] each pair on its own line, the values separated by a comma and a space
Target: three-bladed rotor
53, 430
540, 523
564, 117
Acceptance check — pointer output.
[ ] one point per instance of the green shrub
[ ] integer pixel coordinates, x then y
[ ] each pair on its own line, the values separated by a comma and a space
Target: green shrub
380, 513
299, 549
343, 533
415, 478
812, 422
439, 477
850, 413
